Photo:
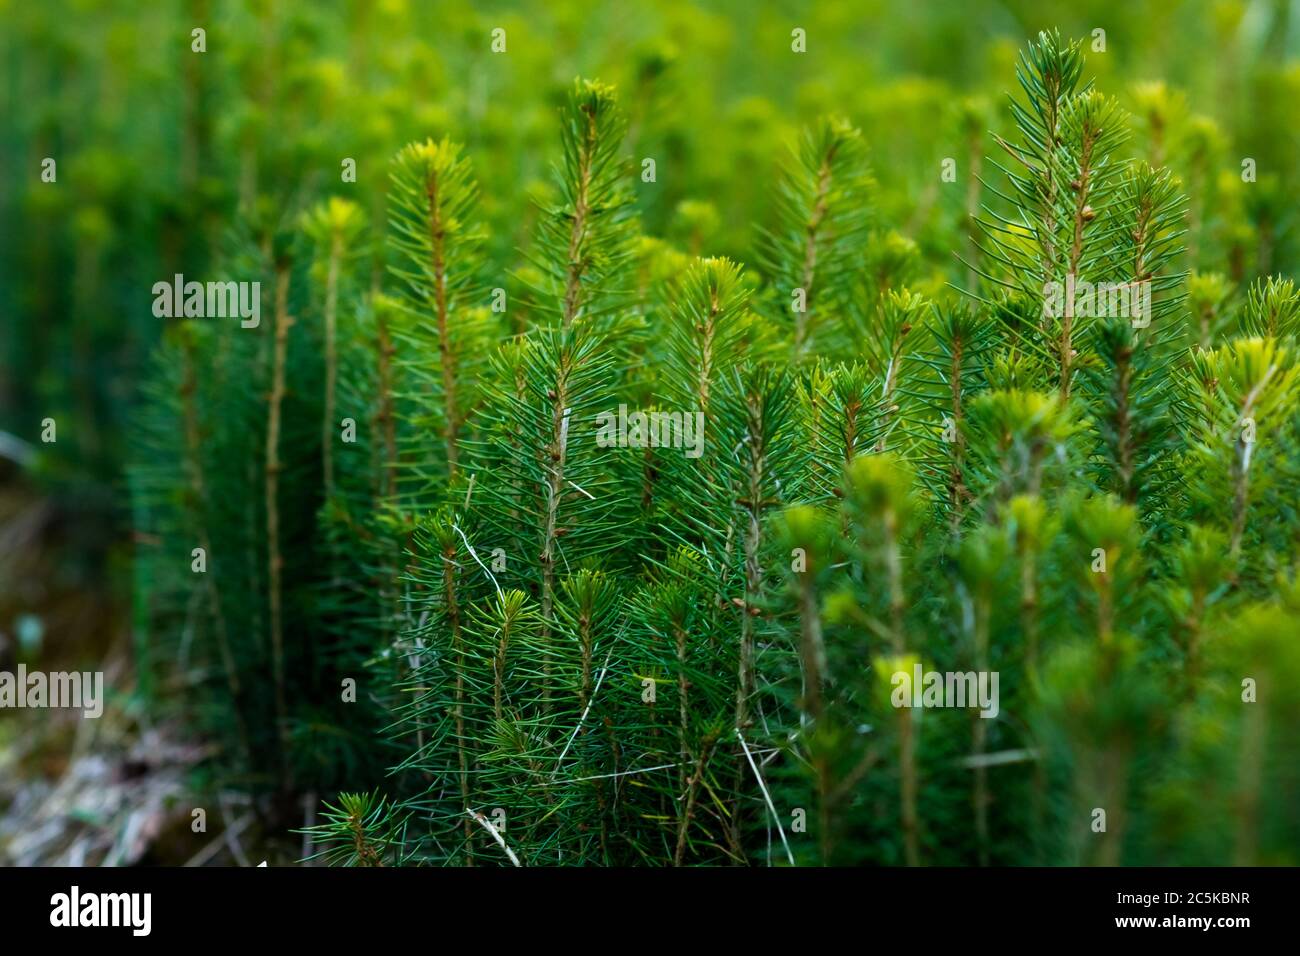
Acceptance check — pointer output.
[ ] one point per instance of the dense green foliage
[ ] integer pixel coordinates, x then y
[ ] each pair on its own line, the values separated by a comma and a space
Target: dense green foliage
433, 589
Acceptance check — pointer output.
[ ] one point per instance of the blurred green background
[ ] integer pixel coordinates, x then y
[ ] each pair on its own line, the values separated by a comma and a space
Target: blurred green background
156, 145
